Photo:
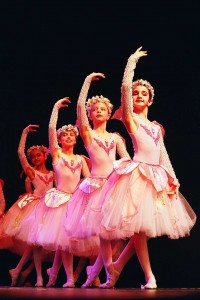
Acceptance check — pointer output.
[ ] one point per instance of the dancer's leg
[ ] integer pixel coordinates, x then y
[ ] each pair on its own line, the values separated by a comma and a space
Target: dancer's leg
37, 254
125, 256
25, 273
14, 273
79, 268
140, 242
67, 259
53, 271
93, 271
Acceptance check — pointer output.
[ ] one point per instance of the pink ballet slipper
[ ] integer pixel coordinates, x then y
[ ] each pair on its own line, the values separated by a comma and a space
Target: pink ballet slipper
151, 284
69, 284
39, 282
52, 278
91, 276
14, 276
113, 276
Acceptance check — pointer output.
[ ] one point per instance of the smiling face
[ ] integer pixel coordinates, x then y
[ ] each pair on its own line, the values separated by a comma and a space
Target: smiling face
141, 97
67, 138
37, 158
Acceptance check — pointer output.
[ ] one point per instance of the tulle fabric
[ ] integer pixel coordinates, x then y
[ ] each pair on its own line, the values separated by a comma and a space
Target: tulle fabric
138, 198
85, 207
141, 201
46, 227
17, 212
10, 224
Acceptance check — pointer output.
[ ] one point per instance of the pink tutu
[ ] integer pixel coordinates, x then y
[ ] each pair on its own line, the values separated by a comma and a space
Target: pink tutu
87, 202
137, 201
17, 212
48, 230
141, 201
10, 225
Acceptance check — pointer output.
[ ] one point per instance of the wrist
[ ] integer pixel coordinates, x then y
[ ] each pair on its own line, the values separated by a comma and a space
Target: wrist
134, 58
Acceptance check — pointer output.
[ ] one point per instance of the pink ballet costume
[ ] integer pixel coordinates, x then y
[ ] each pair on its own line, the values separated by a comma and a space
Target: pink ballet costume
141, 200
48, 230
91, 192
146, 198
22, 208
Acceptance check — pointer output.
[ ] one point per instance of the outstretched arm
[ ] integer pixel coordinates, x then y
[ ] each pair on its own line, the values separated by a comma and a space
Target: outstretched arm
21, 148
83, 122
53, 142
126, 88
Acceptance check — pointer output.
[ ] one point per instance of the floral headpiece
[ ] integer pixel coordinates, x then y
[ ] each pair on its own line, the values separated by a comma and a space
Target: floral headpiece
40, 148
95, 99
65, 128
146, 84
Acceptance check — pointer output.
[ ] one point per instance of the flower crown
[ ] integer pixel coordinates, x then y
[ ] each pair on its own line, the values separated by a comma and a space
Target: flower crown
146, 84
95, 99
65, 128
33, 148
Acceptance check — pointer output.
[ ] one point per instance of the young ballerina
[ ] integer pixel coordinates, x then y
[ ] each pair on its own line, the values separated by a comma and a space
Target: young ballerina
145, 202
48, 231
102, 147
42, 180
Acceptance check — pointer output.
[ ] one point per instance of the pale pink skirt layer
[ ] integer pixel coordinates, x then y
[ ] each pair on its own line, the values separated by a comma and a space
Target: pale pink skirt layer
10, 225
48, 227
138, 201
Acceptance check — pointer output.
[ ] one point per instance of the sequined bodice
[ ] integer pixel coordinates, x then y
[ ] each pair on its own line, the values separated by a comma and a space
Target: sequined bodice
68, 172
102, 153
42, 182
146, 142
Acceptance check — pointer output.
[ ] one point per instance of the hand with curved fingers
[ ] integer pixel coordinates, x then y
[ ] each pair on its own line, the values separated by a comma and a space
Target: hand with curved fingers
31, 128
64, 102
139, 53
95, 76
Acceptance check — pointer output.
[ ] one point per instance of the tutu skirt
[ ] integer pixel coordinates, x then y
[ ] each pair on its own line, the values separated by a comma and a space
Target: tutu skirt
11, 223
46, 224
138, 200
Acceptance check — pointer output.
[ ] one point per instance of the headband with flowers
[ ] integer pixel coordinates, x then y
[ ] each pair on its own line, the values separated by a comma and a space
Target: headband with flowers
95, 99
65, 128
146, 84
37, 147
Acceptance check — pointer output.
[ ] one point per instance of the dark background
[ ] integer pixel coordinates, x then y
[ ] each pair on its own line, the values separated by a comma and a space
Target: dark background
49, 47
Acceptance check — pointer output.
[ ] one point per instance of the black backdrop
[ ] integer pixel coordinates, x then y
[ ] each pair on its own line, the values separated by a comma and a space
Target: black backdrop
48, 47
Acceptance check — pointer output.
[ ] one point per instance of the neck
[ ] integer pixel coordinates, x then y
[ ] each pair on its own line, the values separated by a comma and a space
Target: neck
68, 151
100, 128
41, 168
143, 113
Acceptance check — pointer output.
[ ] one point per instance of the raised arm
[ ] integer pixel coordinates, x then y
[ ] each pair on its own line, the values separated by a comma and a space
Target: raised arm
21, 148
83, 122
126, 88
53, 142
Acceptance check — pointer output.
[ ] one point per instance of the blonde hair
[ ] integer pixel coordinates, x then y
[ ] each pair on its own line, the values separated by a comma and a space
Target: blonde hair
68, 127
98, 99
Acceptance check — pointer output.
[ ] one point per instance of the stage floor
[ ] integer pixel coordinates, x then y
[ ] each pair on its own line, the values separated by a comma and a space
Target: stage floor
78, 293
